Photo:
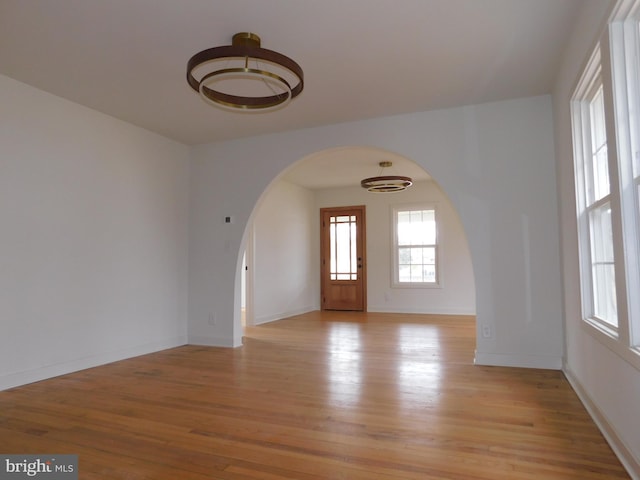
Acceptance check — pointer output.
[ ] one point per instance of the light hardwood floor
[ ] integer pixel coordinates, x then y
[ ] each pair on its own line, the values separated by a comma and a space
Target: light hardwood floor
318, 396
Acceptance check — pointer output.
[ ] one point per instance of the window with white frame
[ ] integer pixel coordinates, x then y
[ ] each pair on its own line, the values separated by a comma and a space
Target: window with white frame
415, 243
624, 38
598, 265
605, 112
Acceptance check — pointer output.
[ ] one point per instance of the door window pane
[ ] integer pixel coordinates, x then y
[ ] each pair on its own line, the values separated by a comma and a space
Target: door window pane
343, 248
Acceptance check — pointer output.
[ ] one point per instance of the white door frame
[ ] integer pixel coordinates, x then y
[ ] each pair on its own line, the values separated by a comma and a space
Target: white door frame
249, 277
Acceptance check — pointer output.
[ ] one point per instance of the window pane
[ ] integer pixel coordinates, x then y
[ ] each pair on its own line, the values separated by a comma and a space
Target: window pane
343, 257
604, 295
404, 273
343, 248
416, 273
598, 129
417, 227
416, 237
332, 253
404, 228
602, 261
599, 169
600, 174
637, 211
404, 256
429, 273
429, 255
416, 256
354, 247
417, 264
429, 219
601, 234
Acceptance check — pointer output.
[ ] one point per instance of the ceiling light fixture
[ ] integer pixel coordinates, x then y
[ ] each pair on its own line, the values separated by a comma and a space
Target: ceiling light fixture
386, 183
232, 77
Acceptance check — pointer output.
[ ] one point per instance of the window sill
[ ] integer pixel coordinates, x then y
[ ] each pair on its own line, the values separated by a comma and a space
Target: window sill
427, 286
610, 339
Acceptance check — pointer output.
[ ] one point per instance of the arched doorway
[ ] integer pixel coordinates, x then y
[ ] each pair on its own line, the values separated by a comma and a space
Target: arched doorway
284, 238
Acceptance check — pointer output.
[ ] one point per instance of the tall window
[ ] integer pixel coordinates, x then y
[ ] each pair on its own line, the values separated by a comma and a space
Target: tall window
416, 246
605, 112
598, 209
624, 51
594, 199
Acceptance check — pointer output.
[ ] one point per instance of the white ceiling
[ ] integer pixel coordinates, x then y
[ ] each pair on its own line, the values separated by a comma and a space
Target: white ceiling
347, 166
361, 58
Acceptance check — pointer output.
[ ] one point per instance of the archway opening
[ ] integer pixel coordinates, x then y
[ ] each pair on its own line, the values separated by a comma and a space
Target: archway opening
283, 236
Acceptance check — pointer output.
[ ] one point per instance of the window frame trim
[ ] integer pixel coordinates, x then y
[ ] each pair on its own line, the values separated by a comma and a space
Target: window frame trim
624, 38
395, 283
588, 85
618, 54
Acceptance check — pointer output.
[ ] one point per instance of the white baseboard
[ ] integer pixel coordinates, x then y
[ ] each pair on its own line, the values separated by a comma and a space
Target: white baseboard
206, 341
436, 311
623, 453
520, 361
42, 373
281, 315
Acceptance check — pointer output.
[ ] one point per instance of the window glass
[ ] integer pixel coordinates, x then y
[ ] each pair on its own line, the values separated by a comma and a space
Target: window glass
599, 167
416, 247
594, 203
605, 111
343, 262
603, 266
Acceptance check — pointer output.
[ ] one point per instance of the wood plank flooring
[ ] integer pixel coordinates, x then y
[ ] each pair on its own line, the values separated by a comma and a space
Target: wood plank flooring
319, 396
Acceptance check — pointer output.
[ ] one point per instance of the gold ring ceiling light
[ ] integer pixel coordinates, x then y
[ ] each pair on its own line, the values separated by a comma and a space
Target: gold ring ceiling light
386, 183
245, 77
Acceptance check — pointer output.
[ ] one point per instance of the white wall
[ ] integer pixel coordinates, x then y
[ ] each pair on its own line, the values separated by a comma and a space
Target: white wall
608, 385
457, 292
285, 264
495, 162
93, 249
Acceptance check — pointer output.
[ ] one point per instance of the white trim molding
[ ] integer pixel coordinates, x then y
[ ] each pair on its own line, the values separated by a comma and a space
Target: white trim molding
624, 454
281, 315
546, 362
17, 379
206, 341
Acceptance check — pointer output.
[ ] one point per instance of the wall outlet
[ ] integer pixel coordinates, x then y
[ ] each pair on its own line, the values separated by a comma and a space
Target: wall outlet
486, 331
212, 319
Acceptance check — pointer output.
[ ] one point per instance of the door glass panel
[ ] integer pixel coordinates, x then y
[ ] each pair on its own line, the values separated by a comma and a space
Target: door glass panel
343, 252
